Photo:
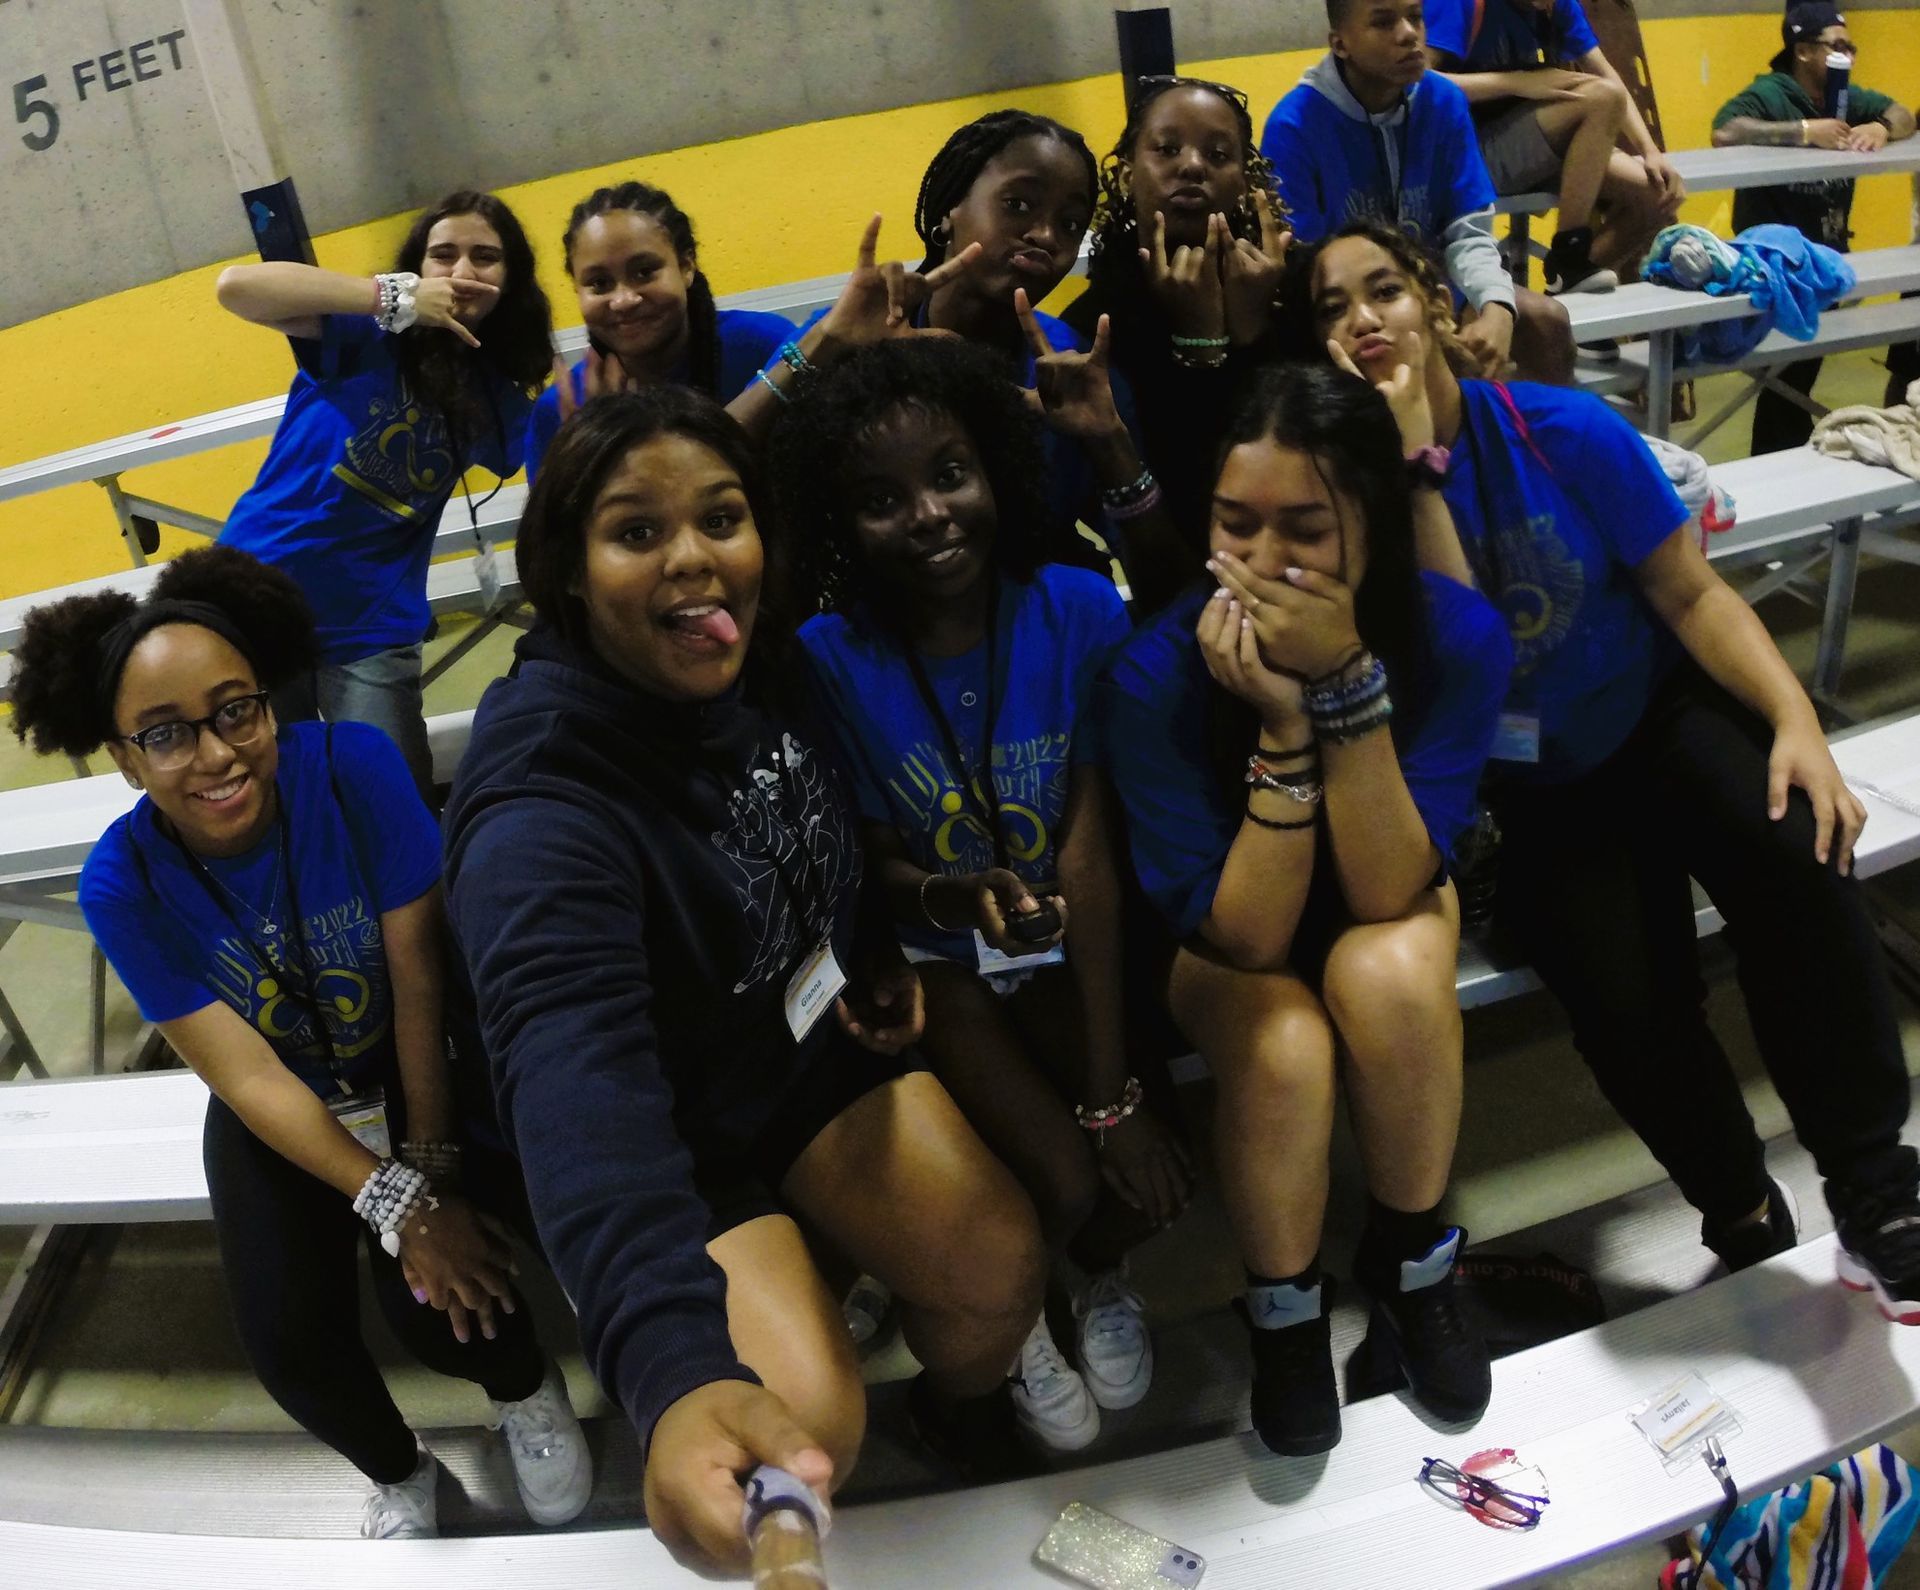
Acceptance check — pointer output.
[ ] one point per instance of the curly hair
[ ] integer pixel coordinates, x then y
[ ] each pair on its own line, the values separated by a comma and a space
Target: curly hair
818, 438
442, 370
703, 316
61, 696
1419, 267
953, 171
1116, 226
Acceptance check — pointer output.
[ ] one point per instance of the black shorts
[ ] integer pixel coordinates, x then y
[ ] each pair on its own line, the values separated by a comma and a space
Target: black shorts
739, 1177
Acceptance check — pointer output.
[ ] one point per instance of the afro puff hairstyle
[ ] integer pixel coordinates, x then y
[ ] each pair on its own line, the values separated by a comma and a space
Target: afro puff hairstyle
819, 437
58, 692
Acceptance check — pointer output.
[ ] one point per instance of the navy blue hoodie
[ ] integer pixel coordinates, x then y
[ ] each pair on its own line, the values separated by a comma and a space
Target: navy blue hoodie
629, 897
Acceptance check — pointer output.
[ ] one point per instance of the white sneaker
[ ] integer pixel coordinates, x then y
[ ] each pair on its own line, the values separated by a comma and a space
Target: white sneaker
1116, 1353
1050, 1399
551, 1464
407, 1511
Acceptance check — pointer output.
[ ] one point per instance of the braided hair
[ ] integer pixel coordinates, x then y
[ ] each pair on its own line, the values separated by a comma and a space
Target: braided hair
954, 170
69, 660
1116, 227
815, 440
703, 317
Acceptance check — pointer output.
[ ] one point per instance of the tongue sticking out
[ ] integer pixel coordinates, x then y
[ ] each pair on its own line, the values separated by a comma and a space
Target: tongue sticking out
717, 625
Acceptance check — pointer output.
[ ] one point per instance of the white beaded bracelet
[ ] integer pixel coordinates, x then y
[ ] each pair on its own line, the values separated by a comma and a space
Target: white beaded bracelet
396, 311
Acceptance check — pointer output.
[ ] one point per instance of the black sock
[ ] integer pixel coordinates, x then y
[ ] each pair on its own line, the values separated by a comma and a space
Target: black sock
1576, 240
1393, 1236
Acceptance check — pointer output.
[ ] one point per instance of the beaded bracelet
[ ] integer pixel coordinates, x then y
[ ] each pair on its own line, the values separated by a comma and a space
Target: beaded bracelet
927, 911
1202, 342
767, 381
1136, 508
439, 1162
1344, 712
1112, 497
795, 360
1194, 360
1098, 1118
393, 308
388, 1198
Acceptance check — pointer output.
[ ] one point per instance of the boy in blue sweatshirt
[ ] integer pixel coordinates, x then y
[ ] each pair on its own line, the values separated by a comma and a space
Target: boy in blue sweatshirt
1369, 132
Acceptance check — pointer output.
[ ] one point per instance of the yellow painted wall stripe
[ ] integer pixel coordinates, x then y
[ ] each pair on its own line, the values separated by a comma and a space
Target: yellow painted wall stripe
778, 206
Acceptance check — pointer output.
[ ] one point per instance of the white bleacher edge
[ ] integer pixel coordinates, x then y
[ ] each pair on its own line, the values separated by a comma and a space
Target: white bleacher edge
1810, 1371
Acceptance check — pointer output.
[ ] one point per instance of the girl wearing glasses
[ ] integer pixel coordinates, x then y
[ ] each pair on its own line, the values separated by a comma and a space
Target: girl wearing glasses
1296, 744
1189, 243
405, 380
1653, 736
272, 903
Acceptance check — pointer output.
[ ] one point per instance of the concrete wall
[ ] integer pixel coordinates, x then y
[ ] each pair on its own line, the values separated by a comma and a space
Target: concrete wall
384, 104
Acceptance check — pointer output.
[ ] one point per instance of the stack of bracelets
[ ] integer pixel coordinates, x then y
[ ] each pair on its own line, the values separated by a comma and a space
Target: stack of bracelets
438, 1162
393, 308
1350, 702
391, 1194
1098, 1118
1200, 353
1133, 499
790, 355
1294, 773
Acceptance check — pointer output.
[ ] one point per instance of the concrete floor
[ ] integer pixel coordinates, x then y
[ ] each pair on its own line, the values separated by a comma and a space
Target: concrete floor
143, 1342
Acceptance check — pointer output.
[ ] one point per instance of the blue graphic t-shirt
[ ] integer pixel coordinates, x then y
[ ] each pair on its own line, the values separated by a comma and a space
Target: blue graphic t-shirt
1554, 519
1053, 636
363, 843
350, 495
1154, 712
748, 341
1421, 175
1513, 36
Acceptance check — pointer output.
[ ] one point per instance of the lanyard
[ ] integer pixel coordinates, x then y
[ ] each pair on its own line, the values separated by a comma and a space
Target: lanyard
977, 788
261, 955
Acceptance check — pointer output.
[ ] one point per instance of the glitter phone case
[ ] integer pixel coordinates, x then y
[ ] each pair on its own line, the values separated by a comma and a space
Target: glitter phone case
1096, 1549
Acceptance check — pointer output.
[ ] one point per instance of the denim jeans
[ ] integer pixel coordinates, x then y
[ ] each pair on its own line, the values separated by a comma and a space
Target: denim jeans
383, 690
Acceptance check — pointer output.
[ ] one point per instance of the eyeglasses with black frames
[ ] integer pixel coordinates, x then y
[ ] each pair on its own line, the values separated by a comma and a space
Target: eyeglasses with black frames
171, 745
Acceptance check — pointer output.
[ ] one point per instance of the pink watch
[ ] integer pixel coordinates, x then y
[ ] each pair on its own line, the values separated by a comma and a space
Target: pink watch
1428, 467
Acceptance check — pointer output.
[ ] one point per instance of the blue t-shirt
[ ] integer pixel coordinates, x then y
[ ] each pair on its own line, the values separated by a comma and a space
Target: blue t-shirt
350, 495
1554, 521
1053, 635
1154, 712
1421, 175
362, 843
1513, 36
1073, 484
748, 340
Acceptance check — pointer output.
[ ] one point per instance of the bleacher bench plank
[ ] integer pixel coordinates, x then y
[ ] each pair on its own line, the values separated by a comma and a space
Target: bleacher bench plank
1811, 1371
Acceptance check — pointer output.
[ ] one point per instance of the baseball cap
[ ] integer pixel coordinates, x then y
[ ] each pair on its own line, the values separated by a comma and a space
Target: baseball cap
1805, 21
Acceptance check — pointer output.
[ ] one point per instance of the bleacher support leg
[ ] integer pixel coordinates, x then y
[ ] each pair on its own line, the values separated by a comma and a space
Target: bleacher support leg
16, 1048
97, 1012
1842, 570
1659, 383
48, 1260
123, 511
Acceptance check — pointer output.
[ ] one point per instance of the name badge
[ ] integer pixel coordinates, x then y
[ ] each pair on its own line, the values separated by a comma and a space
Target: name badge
486, 568
365, 1116
992, 960
1517, 739
813, 989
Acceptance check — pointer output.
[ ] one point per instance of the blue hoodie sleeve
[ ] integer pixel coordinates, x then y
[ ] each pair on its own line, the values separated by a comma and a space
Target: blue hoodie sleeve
583, 1100
1288, 151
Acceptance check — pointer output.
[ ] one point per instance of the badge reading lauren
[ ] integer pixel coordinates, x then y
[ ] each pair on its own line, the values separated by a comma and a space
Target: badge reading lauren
812, 989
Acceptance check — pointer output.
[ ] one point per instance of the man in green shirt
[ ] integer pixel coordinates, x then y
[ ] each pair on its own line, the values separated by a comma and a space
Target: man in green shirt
1787, 106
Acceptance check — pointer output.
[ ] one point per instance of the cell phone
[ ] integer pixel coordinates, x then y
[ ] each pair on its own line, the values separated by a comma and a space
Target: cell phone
1036, 926
1106, 1553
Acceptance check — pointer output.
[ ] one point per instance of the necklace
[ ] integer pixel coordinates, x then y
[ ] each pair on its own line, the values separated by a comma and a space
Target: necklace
269, 923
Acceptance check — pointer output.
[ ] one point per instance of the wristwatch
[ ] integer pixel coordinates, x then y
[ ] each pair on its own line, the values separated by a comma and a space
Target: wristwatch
1428, 467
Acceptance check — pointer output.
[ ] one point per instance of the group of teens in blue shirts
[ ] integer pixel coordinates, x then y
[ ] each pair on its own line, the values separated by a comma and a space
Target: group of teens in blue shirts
910, 755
